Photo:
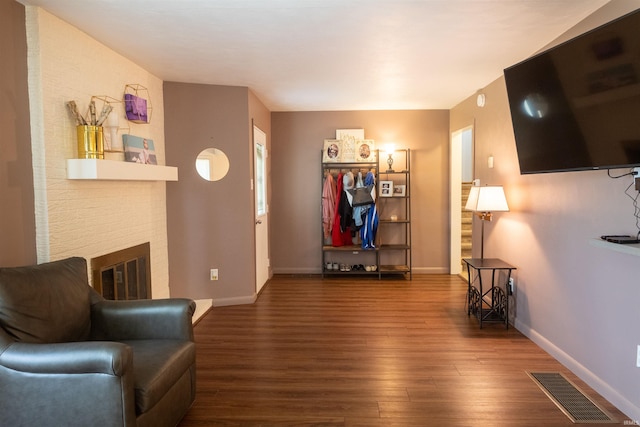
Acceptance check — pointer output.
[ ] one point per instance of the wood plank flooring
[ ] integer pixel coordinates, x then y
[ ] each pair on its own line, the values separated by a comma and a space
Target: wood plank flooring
358, 352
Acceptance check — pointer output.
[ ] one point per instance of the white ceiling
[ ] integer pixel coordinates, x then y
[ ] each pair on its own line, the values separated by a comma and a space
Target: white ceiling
315, 55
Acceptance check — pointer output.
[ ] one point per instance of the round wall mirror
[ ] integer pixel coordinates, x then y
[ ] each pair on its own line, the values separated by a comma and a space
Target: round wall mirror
212, 164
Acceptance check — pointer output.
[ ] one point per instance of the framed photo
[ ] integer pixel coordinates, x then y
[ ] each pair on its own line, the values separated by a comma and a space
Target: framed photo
399, 190
135, 108
386, 188
349, 137
139, 150
332, 151
354, 134
365, 150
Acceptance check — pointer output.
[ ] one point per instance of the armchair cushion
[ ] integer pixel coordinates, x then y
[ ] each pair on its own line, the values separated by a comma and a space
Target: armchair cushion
52, 311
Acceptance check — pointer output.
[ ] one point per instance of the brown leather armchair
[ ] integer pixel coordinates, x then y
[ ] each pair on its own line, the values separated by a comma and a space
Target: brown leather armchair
68, 357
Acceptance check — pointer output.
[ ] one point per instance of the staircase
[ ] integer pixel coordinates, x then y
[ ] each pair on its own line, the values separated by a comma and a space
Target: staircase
467, 218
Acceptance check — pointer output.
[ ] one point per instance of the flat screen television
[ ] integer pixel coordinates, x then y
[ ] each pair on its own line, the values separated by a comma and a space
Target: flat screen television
576, 106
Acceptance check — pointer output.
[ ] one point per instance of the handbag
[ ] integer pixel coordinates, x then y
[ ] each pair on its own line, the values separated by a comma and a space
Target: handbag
361, 196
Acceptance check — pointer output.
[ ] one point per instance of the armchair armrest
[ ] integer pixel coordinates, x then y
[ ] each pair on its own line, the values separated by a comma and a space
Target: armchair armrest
60, 384
142, 319
109, 358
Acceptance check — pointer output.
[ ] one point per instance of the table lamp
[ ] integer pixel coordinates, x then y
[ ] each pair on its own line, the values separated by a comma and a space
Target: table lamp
483, 200
390, 149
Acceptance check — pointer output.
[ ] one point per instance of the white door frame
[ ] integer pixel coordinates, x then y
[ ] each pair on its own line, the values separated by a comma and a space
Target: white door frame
455, 199
261, 210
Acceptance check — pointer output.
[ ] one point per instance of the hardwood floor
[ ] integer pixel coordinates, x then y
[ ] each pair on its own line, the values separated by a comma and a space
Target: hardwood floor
358, 352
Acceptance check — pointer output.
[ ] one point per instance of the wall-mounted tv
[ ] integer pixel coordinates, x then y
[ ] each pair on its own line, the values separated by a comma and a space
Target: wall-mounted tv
576, 106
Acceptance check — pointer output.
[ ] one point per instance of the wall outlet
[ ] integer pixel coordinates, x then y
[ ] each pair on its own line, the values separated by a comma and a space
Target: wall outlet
512, 285
214, 274
638, 357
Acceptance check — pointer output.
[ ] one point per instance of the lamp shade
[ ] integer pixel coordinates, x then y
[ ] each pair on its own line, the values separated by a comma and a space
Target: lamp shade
489, 198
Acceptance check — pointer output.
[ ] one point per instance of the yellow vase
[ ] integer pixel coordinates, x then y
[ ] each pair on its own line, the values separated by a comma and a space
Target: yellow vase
90, 142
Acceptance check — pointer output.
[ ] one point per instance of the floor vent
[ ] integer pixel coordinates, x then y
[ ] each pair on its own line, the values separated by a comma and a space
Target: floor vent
570, 399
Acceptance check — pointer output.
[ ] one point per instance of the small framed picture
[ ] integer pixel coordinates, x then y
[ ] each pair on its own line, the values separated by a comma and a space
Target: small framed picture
135, 108
349, 137
353, 134
332, 151
365, 151
386, 188
399, 190
139, 150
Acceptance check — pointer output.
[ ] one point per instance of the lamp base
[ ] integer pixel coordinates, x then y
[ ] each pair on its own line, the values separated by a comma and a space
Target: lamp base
485, 216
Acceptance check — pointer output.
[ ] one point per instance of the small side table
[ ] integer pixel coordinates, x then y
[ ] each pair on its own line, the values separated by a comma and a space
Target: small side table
490, 304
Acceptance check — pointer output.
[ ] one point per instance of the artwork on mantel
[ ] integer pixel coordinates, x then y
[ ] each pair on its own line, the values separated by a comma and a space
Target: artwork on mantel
139, 150
137, 104
135, 108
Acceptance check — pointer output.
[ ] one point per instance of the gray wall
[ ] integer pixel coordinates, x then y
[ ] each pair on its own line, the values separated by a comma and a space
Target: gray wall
17, 217
210, 224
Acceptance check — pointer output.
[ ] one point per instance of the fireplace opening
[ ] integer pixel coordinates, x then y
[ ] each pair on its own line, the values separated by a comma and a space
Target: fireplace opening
124, 274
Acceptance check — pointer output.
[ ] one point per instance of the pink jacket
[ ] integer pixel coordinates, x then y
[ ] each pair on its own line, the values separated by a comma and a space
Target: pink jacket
328, 205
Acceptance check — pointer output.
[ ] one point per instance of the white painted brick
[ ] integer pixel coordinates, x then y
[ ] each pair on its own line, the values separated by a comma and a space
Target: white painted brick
89, 218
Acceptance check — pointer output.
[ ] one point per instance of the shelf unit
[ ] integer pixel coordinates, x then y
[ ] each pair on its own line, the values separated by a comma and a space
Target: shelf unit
392, 252
394, 232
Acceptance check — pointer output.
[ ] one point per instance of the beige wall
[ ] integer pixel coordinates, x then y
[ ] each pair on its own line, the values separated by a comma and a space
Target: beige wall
17, 219
211, 223
88, 218
577, 301
298, 139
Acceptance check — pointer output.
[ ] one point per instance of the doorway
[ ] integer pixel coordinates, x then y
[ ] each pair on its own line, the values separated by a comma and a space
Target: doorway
261, 207
461, 167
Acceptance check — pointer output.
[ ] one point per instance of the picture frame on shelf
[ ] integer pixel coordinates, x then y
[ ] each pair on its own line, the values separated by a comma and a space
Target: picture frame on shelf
349, 138
386, 188
139, 150
332, 151
355, 134
399, 190
365, 150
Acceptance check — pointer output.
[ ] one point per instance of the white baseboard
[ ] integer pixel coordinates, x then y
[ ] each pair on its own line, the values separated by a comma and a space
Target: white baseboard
595, 382
430, 270
221, 302
202, 306
302, 271
297, 271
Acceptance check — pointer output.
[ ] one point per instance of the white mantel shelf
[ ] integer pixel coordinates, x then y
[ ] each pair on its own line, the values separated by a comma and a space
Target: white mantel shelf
118, 171
631, 248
